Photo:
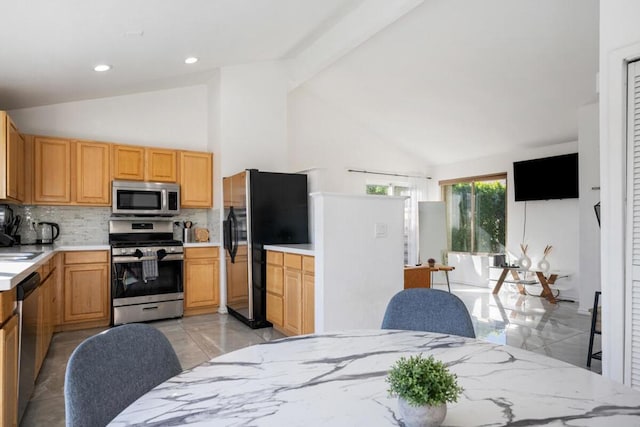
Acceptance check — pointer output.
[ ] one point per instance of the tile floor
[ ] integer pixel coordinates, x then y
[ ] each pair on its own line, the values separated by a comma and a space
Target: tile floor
527, 322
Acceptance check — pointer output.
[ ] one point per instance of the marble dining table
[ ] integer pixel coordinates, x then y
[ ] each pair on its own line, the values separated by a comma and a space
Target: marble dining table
338, 379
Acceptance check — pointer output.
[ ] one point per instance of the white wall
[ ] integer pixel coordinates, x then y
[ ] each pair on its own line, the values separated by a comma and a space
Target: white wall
356, 273
253, 118
323, 138
619, 41
589, 161
174, 118
551, 222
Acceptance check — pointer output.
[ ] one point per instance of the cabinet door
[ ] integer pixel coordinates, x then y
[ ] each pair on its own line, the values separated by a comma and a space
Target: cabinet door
52, 170
200, 287
128, 162
21, 178
92, 173
9, 373
308, 303
275, 310
86, 293
293, 301
15, 163
160, 165
237, 278
196, 179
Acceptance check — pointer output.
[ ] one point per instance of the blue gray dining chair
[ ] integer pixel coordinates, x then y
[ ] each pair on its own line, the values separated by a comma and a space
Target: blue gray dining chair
429, 310
109, 371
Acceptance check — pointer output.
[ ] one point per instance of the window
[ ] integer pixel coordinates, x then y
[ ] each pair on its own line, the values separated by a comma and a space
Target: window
476, 213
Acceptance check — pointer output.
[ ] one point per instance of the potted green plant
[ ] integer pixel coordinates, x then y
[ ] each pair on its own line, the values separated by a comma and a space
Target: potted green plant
423, 386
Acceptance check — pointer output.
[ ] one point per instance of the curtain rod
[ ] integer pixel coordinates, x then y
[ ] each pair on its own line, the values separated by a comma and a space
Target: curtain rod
388, 174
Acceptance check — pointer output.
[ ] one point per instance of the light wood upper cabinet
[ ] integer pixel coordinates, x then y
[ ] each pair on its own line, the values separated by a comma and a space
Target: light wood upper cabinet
160, 165
12, 146
52, 181
128, 162
196, 179
92, 173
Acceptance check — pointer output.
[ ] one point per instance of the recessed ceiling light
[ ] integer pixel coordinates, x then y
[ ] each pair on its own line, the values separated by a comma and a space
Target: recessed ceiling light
191, 60
102, 67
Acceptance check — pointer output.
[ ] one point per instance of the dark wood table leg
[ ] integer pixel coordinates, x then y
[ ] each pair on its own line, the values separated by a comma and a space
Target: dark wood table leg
500, 281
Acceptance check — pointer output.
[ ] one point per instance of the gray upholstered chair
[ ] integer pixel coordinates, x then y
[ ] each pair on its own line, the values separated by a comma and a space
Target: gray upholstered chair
109, 371
430, 310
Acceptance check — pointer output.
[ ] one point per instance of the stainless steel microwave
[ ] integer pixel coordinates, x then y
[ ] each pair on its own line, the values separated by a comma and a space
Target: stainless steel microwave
145, 198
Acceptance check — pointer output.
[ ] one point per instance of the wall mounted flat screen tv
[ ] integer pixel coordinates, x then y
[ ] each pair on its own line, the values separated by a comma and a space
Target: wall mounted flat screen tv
546, 178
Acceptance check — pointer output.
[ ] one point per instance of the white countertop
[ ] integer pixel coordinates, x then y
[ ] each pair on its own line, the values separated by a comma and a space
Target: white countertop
300, 248
13, 272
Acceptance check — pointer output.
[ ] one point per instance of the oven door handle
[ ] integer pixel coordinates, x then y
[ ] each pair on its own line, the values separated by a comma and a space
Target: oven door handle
133, 259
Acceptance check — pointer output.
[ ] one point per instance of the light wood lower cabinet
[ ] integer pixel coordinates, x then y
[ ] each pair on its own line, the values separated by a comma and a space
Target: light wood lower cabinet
86, 289
9, 372
291, 292
8, 359
202, 280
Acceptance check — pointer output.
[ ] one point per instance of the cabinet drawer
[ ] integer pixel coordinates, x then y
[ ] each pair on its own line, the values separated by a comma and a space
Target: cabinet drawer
308, 264
208, 252
86, 257
274, 257
293, 261
7, 304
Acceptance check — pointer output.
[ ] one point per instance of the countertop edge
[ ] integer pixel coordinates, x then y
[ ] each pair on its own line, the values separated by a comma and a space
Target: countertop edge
299, 249
11, 274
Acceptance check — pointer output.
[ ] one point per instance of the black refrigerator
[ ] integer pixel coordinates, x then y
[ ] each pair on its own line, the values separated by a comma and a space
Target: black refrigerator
260, 208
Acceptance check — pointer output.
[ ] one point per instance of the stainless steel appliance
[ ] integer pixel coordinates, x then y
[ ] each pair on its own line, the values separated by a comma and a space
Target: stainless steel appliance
147, 270
260, 208
145, 198
46, 232
28, 319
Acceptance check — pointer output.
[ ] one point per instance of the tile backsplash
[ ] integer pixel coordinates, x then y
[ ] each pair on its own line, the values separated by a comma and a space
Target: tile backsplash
89, 225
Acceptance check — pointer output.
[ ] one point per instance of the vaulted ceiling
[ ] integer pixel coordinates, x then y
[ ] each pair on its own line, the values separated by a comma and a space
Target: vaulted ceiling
449, 80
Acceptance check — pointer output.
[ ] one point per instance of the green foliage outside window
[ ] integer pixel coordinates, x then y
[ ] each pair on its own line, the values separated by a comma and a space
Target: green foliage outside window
477, 216
381, 190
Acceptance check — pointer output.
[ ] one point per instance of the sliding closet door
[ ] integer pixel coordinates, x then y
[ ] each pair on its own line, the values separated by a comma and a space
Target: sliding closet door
632, 291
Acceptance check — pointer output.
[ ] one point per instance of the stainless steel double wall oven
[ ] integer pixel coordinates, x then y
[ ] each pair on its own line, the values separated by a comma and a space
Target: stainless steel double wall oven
147, 270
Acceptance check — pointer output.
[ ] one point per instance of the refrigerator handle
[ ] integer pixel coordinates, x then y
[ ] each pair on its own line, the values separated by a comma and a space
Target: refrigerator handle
226, 235
234, 236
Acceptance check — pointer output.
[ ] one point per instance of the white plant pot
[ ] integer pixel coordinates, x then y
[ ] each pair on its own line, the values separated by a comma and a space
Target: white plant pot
421, 416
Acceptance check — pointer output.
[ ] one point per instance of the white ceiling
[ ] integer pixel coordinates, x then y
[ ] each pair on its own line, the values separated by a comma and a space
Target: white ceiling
462, 79
49, 48
450, 80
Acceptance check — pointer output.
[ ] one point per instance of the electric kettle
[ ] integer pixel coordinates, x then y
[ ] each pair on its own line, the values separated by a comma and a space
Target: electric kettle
46, 232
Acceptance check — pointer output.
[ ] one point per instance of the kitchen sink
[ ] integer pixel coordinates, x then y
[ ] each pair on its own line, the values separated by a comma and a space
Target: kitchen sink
19, 256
